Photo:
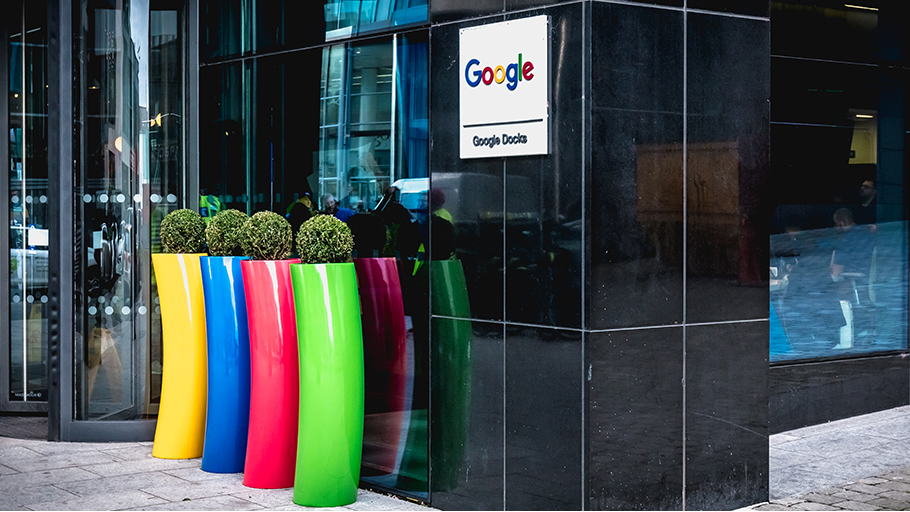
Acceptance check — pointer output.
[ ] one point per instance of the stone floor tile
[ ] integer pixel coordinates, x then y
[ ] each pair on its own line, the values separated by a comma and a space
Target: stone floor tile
142, 466
215, 503
872, 480
896, 495
20, 480
856, 505
195, 474
112, 501
15, 452
196, 490
49, 448
135, 481
266, 497
771, 506
59, 460
789, 501
783, 437
889, 504
895, 486
384, 504
5, 470
812, 506
854, 496
29, 495
865, 488
131, 452
826, 499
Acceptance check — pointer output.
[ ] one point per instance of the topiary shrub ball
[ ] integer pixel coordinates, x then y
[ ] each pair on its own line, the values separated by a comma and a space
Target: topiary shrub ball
266, 236
223, 233
183, 232
324, 239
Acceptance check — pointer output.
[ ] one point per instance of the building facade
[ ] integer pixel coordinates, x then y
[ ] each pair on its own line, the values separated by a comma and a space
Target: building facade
591, 326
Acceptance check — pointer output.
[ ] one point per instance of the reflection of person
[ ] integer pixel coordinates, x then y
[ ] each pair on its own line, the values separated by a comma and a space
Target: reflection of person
853, 248
330, 207
864, 213
209, 205
850, 269
300, 211
100, 279
437, 200
403, 232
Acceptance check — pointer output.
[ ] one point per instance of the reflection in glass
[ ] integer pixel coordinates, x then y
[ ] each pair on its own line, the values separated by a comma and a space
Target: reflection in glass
129, 154
838, 270
345, 18
27, 203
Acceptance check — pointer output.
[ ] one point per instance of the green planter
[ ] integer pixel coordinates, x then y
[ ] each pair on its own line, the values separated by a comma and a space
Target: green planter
330, 428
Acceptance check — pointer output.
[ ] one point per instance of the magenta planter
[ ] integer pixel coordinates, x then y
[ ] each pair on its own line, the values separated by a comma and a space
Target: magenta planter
274, 376
385, 361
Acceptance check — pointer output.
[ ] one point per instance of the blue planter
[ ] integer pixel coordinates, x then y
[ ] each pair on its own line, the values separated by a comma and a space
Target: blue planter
228, 344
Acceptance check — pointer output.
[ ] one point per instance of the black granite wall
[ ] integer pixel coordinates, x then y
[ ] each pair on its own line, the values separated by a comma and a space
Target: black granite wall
618, 348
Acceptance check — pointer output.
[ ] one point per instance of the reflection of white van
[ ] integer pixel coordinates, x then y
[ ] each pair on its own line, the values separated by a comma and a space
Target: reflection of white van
480, 195
470, 197
413, 192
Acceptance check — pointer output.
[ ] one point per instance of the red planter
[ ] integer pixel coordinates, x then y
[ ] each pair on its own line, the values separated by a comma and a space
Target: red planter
385, 361
274, 376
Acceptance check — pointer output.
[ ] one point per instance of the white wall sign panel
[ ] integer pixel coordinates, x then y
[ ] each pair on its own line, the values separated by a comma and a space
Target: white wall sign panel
504, 92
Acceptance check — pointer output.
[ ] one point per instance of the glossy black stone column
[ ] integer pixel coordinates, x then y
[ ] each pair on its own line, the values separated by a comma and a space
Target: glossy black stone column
615, 285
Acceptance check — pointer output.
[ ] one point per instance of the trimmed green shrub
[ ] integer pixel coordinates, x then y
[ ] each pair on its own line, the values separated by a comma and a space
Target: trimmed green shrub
223, 234
183, 232
325, 239
266, 236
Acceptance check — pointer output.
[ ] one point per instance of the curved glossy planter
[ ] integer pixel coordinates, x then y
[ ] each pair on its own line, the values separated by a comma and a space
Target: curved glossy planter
331, 384
274, 380
228, 347
385, 361
180, 430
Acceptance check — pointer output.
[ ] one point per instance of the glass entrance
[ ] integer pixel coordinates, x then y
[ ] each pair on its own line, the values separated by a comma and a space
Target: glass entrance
129, 174
25, 249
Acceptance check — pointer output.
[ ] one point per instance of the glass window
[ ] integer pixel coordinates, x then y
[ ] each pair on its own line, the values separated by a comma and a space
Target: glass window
855, 31
29, 239
344, 18
236, 27
839, 233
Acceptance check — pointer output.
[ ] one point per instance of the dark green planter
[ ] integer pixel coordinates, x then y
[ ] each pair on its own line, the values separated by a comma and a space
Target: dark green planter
330, 429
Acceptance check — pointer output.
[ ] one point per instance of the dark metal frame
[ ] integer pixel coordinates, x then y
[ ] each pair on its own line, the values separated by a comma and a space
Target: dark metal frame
61, 341
60, 222
4, 215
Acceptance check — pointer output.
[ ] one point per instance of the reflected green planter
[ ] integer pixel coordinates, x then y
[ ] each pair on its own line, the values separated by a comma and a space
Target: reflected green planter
451, 368
330, 428
449, 343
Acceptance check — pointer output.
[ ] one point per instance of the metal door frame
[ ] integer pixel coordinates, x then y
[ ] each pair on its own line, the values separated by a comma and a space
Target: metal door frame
61, 341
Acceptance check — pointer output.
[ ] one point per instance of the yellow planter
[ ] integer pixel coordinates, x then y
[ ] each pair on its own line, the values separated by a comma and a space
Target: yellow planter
181, 417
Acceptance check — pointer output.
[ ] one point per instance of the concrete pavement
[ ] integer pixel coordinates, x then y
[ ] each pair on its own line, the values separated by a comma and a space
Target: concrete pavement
859, 463
39, 475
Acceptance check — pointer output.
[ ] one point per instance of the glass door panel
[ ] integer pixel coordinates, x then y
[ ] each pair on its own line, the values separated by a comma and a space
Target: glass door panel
130, 166
27, 202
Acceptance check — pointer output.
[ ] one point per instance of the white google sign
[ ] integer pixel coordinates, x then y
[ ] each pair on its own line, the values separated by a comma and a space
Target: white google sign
504, 93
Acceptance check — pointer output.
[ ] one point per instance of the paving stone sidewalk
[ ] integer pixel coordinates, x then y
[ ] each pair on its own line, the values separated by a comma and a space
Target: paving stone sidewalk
887, 492
40, 475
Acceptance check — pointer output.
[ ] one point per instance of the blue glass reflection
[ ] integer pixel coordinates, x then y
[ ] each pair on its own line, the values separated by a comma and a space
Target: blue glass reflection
345, 18
838, 291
